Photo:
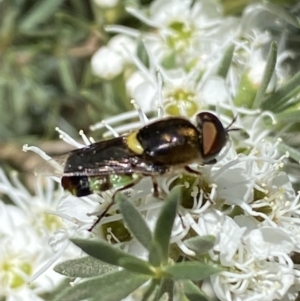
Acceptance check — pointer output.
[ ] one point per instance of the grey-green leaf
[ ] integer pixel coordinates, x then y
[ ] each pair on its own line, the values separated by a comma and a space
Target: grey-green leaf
191, 270
164, 224
142, 52
283, 13
104, 251
67, 75
267, 75
273, 101
121, 288
110, 287
83, 267
287, 117
152, 287
289, 102
226, 62
40, 12
293, 152
55, 292
200, 244
135, 222
169, 60
155, 254
192, 291
137, 265
166, 286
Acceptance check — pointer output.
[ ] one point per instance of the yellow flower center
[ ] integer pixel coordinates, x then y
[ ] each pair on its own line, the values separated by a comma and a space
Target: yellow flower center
181, 102
51, 222
14, 272
180, 36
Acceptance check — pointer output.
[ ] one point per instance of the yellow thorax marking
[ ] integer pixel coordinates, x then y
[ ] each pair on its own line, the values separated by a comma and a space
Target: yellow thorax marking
133, 143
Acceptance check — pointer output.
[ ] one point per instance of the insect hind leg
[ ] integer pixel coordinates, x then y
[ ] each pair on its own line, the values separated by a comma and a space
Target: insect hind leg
113, 201
199, 174
192, 171
155, 187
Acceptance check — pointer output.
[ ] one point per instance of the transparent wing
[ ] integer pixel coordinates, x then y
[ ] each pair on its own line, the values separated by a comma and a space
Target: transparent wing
130, 165
53, 167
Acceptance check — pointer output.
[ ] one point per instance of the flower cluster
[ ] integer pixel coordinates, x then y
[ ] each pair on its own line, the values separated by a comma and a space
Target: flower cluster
192, 58
246, 200
25, 234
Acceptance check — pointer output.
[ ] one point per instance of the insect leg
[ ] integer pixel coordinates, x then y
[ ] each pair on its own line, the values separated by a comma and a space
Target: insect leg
155, 187
113, 201
192, 171
199, 174
99, 217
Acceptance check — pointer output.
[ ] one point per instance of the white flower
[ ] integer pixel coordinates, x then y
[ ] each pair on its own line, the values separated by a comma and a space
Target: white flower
233, 185
190, 38
106, 3
256, 261
183, 29
22, 252
123, 45
253, 246
34, 206
267, 241
106, 63
36, 212
245, 200
109, 61
182, 93
266, 259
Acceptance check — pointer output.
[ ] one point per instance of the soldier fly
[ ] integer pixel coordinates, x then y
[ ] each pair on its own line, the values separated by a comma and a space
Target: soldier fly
162, 147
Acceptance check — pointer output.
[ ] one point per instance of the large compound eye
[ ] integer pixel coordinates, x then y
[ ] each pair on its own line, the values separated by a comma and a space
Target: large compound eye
213, 135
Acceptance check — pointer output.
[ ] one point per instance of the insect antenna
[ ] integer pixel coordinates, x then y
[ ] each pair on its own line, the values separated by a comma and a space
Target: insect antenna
229, 129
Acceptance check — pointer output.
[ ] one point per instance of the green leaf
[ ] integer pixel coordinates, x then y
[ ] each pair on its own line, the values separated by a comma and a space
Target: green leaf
274, 100
106, 252
83, 267
289, 102
137, 265
155, 254
287, 117
67, 75
142, 53
8, 21
135, 222
182, 297
192, 291
246, 91
293, 152
191, 270
169, 60
164, 224
226, 62
40, 12
55, 292
100, 250
110, 287
282, 13
200, 244
268, 73
150, 289
166, 286
90, 95
122, 288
